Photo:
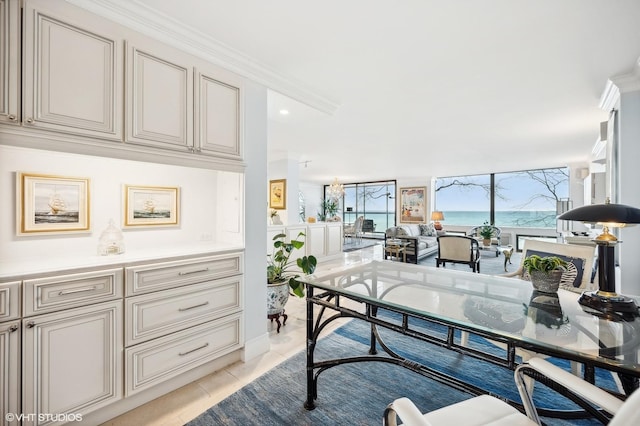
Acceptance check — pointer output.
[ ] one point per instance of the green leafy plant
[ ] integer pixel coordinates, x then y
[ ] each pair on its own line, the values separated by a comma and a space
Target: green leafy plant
486, 231
281, 268
545, 264
329, 209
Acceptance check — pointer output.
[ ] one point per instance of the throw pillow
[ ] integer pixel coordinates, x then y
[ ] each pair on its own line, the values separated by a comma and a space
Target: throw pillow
424, 230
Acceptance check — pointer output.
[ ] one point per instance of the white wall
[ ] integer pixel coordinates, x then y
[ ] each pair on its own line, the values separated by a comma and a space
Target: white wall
629, 194
199, 196
255, 143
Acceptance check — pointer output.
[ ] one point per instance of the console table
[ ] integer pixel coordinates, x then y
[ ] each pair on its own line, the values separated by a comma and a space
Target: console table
487, 306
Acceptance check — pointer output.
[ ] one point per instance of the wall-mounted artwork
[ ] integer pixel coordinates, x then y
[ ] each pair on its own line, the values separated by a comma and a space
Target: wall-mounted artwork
412, 205
151, 206
278, 194
48, 204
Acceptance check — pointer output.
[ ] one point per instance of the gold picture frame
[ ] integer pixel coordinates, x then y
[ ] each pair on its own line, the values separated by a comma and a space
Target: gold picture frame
50, 204
146, 206
412, 204
278, 194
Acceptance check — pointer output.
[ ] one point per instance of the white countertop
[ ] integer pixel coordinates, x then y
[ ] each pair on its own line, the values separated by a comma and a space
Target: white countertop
58, 261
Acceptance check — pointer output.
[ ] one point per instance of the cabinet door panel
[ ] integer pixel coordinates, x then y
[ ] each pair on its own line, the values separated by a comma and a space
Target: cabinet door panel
315, 240
218, 117
73, 77
334, 240
9, 61
9, 370
160, 101
73, 360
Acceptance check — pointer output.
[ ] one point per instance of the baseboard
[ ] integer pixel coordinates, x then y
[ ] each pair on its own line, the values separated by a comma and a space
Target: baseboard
255, 347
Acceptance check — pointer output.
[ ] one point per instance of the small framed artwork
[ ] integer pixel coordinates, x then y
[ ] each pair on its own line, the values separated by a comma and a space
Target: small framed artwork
48, 204
151, 206
412, 205
278, 194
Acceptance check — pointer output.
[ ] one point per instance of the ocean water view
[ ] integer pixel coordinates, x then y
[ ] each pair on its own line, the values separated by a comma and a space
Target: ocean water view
509, 218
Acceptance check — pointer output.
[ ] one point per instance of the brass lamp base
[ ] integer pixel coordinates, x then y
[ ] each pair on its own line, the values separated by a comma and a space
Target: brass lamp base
609, 303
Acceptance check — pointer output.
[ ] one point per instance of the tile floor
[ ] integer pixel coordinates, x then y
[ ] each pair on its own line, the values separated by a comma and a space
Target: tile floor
186, 403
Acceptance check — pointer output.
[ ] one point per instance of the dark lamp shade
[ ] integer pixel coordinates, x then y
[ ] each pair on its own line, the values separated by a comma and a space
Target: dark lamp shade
603, 213
437, 215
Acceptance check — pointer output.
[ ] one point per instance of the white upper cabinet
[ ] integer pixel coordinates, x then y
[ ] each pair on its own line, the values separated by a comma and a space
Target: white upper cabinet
67, 70
159, 99
73, 71
9, 61
217, 116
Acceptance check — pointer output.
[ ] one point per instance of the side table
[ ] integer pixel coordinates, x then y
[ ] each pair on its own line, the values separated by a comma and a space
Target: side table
394, 250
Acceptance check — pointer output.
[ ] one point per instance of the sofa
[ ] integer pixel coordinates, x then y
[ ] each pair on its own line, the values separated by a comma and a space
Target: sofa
422, 239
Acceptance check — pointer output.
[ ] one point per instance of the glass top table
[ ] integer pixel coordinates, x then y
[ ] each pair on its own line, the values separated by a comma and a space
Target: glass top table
505, 309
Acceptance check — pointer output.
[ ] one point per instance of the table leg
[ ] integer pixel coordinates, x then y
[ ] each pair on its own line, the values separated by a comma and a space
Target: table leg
309, 403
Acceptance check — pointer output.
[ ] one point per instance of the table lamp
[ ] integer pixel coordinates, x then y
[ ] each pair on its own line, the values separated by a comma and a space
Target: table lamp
437, 216
606, 300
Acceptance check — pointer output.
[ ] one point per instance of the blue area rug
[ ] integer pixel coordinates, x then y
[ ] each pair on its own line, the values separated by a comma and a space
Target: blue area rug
358, 393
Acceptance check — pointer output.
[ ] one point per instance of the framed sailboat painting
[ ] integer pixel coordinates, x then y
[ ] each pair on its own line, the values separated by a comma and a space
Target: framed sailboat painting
48, 204
151, 206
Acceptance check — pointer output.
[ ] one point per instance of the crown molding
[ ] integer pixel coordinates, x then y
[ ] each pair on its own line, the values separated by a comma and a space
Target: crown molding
616, 85
150, 22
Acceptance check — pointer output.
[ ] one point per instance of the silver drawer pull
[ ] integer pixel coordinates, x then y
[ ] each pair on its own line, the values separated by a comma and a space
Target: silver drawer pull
13, 327
193, 272
193, 350
193, 307
31, 324
77, 290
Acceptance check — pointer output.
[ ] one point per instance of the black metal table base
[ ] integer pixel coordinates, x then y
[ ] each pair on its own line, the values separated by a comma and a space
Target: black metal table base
332, 309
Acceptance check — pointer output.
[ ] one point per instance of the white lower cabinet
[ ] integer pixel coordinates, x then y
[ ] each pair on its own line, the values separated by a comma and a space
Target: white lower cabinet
72, 362
190, 313
9, 372
74, 345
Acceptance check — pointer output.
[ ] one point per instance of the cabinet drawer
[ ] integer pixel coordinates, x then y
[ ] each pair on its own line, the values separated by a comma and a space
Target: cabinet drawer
70, 291
150, 363
9, 301
158, 314
160, 276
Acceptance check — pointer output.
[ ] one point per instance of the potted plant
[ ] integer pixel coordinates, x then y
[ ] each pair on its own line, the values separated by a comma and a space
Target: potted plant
329, 209
545, 272
486, 232
281, 275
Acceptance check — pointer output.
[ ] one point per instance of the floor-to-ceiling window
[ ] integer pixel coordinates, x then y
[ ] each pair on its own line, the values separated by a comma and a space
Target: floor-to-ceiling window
374, 200
526, 199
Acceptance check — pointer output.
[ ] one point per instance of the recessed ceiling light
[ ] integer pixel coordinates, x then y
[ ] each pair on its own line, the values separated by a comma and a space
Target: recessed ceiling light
284, 111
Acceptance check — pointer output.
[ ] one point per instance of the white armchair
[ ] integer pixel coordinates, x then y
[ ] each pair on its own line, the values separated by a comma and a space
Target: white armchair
485, 409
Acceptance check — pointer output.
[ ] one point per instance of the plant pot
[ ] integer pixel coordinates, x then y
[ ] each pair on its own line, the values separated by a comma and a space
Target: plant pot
546, 282
277, 297
486, 242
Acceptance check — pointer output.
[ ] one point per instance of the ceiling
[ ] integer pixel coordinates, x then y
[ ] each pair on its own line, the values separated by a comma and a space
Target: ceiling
419, 88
